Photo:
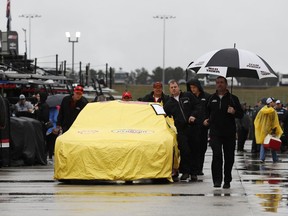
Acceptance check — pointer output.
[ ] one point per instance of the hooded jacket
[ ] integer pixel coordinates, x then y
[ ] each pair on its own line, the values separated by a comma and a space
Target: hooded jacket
42, 114
203, 98
265, 122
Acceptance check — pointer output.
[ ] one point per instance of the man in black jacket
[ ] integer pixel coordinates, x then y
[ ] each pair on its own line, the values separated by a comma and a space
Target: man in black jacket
222, 109
184, 108
156, 95
71, 106
196, 88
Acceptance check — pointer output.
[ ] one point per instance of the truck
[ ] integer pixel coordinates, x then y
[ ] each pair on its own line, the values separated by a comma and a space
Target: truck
121, 77
283, 79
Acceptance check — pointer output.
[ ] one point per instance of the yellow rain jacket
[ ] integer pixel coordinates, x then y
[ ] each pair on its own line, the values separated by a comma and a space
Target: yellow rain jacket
265, 121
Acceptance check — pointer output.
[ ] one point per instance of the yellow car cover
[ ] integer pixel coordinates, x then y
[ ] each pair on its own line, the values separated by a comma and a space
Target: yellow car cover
117, 140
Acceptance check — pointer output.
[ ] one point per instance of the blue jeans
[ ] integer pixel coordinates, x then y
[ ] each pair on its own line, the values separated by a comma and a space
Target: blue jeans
263, 151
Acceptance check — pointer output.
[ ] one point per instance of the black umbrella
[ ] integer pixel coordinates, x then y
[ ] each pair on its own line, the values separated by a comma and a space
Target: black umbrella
233, 62
55, 100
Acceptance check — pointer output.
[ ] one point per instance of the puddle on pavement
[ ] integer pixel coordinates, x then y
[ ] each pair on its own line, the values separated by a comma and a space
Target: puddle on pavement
272, 177
217, 193
273, 202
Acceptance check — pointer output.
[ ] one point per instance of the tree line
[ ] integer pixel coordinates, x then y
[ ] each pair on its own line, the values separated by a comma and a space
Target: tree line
143, 77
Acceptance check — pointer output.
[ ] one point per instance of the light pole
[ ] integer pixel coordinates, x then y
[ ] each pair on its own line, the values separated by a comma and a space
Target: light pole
25, 41
164, 17
73, 42
30, 16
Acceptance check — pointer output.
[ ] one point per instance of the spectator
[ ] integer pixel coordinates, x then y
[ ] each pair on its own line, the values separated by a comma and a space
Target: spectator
41, 109
256, 148
222, 109
51, 135
195, 87
284, 137
71, 106
282, 116
266, 122
243, 126
126, 96
156, 95
280, 111
22, 105
184, 108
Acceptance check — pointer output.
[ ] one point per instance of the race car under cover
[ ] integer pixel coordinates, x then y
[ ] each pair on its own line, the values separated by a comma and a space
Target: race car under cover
118, 140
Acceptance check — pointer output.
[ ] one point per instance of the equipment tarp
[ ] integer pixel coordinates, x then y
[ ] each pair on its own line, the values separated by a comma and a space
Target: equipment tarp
117, 140
27, 142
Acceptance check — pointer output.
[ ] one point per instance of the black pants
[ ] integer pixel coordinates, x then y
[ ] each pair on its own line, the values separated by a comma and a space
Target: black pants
188, 145
242, 137
50, 141
226, 143
255, 148
203, 137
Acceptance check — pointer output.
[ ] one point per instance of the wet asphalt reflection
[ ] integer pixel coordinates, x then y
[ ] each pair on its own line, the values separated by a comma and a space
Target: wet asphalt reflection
256, 188
265, 183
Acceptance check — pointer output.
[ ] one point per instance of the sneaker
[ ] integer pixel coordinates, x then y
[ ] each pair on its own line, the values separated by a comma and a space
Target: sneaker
175, 178
217, 184
185, 177
175, 175
49, 162
194, 178
277, 161
262, 161
226, 185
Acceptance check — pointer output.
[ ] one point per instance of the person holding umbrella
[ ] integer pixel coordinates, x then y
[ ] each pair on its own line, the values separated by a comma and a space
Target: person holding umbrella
222, 109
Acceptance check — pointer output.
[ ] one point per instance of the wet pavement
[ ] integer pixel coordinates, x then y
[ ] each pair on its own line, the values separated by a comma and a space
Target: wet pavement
257, 189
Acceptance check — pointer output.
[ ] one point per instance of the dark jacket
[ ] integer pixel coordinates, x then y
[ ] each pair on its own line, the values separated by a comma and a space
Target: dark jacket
187, 106
149, 98
202, 99
221, 122
68, 113
42, 114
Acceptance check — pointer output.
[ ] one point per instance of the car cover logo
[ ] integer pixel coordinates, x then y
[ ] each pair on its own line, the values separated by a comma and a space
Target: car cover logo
132, 131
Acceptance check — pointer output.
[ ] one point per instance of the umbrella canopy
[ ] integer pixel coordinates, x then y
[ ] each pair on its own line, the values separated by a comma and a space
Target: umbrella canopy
55, 100
232, 62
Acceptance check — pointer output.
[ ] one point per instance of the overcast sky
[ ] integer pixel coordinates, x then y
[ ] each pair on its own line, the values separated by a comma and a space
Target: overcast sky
123, 33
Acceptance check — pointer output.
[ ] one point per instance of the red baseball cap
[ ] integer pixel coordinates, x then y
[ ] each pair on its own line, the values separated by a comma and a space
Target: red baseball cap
126, 95
157, 85
78, 89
